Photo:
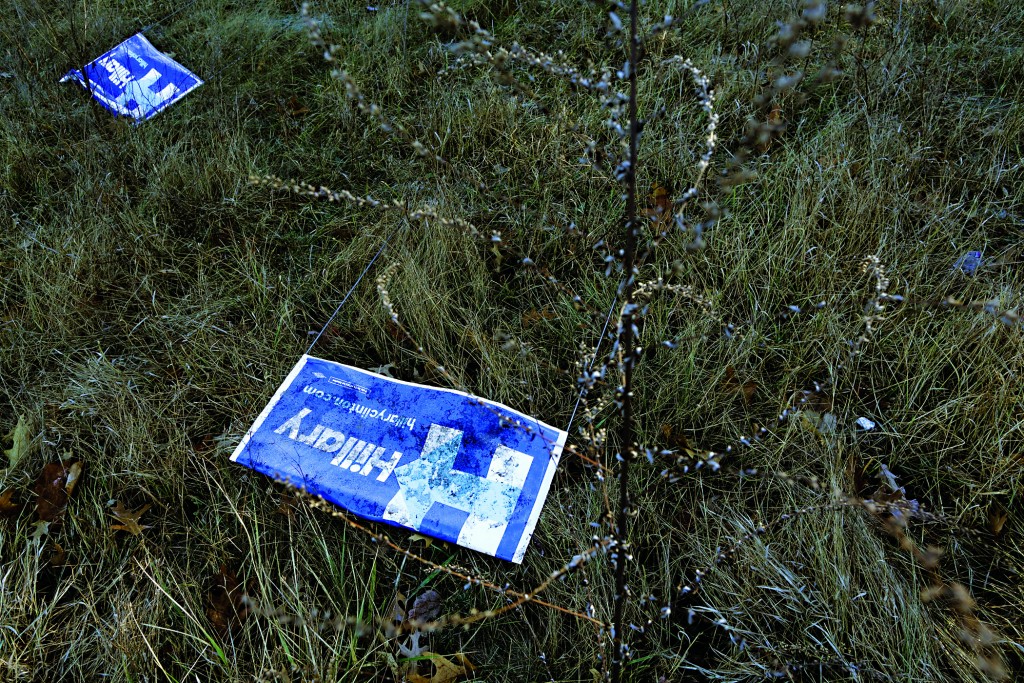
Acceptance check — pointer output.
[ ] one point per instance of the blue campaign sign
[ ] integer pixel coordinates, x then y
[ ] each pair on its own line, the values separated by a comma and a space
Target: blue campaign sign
438, 461
135, 79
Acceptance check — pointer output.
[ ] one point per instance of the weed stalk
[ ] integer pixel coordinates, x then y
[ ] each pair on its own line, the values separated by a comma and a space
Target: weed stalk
627, 340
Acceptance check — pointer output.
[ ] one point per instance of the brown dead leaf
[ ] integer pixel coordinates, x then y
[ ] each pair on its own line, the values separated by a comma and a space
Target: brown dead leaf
997, 517
534, 316
52, 496
128, 520
659, 204
203, 444
733, 385
295, 107
54, 488
8, 508
57, 555
445, 670
395, 331
773, 124
676, 440
289, 504
397, 608
226, 606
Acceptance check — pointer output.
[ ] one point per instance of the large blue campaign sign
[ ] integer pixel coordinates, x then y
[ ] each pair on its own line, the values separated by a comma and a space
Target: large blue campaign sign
135, 79
438, 461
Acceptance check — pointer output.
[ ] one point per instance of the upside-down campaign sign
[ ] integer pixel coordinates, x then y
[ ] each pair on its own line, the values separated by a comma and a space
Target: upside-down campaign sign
135, 79
437, 461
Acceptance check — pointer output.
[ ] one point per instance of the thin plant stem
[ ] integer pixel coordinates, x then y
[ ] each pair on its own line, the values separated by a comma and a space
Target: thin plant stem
627, 344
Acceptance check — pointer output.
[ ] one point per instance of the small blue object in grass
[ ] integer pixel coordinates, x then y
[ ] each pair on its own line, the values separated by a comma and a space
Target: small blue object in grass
437, 461
135, 79
968, 263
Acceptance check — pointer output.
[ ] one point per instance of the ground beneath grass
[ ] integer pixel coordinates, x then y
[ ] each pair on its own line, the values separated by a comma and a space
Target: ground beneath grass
152, 299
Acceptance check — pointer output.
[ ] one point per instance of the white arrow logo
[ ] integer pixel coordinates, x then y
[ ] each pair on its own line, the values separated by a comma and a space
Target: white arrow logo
431, 478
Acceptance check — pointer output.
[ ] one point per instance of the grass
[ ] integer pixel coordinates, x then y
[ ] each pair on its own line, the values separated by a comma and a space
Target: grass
151, 300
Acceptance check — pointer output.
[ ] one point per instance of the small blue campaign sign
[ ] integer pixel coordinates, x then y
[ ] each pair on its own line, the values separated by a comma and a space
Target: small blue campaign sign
968, 263
437, 461
135, 79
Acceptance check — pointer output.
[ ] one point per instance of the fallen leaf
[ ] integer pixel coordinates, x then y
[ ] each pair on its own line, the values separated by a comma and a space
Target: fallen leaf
129, 521
817, 401
426, 607
395, 331
8, 508
42, 529
296, 107
203, 444
57, 555
427, 541
74, 472
448, 671
20, 443
997, 517
662, 199
54, 487
659, 204
535, 316
226, 603
822, 424
676, 440
733, 385
289, 504
445, 670
464, 661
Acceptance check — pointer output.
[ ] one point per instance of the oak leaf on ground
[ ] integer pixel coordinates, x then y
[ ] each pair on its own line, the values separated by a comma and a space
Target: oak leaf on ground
129, 520
445, 670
